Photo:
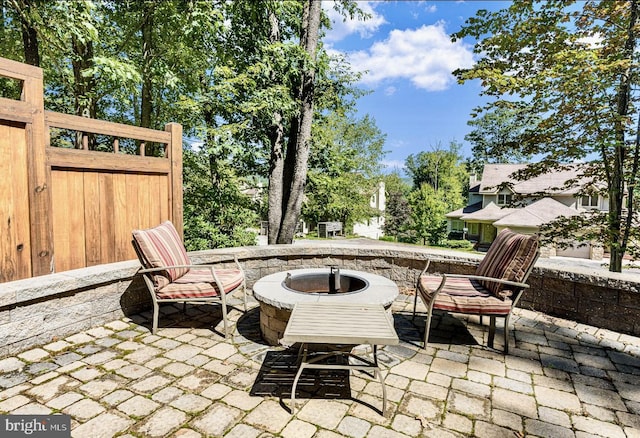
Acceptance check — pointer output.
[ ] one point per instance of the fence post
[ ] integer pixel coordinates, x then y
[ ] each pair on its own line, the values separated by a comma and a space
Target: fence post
39, 176
174, 152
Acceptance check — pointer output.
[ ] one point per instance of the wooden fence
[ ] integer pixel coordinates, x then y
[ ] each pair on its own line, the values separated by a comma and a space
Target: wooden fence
68, 208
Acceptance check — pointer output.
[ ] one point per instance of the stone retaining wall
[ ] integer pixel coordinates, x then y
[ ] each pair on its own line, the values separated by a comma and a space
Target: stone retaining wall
38, 310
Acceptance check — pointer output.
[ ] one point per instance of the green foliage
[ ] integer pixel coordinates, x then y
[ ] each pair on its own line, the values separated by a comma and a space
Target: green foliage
442, 169
344, 169
218, 69
427, 214
570, 69
495, 137
440, 186
458, 244
216, 213
398, 212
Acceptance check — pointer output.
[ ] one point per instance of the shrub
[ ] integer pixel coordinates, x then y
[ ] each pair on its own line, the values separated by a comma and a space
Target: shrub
461, 244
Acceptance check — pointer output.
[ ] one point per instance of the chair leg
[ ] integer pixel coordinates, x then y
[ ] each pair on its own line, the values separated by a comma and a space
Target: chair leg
224, 318
156, 311
492, 331
506, 333
427, 326
415, 303
244, 295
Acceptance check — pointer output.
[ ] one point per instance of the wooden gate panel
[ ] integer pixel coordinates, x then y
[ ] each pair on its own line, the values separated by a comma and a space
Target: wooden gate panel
107, 230
92, 213
63, 208
15, 244
67, 190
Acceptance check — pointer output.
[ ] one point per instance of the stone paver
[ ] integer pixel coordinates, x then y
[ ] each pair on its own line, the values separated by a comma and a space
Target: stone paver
138, 406
561, 379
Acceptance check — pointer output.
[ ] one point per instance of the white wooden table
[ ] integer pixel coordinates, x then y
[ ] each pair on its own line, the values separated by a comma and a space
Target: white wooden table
339, 325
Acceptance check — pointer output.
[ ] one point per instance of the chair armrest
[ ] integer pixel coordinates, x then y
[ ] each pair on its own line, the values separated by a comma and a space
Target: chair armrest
164, 268
494, 280
211, 265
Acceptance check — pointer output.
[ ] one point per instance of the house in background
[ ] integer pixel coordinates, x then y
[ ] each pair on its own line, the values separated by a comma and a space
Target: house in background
374, 226
487, 212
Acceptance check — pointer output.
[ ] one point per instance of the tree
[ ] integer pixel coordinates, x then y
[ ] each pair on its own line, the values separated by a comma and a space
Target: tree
217, 214
397, 222
573, 67
440, 185
344, 169
427, 214
294, 171
246, 78
442, 169
495, 137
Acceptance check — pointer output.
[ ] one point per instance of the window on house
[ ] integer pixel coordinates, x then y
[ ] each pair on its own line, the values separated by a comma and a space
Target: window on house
457, 225
590, 201
474, 229
504, 199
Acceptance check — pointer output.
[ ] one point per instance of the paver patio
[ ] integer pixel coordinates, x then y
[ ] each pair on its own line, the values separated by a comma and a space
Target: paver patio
562, 379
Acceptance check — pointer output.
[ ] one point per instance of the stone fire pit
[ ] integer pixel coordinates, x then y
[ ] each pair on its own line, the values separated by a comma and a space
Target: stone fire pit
278, 293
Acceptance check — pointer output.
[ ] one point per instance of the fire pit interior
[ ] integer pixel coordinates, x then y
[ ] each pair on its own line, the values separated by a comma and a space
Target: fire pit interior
332, 282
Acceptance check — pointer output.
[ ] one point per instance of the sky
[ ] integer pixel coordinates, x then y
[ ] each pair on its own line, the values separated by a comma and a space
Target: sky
407, 58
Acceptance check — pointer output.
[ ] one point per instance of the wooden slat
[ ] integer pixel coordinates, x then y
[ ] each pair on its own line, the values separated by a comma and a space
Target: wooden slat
132, 215
79, 159
155, 215
75, 205
174, 153
164, 201
15, 244
18, 70
61, 241
39, 178
84, 124
122, 230
143, 191
107, 212
92, 213
15, 110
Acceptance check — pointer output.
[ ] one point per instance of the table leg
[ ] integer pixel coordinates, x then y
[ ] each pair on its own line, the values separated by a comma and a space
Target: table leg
302, 359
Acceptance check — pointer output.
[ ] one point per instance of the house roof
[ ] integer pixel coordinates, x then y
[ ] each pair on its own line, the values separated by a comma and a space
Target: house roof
490, 213
456, 214
533, 215
496, 174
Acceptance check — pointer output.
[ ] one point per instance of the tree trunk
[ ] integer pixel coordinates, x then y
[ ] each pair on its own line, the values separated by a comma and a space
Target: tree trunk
29, 34
276, 170
297, 172
276, 159
146, 106
83, 88
617, 240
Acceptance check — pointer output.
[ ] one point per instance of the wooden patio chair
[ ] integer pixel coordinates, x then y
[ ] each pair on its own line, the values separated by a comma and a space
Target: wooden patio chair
171, 277
494, 290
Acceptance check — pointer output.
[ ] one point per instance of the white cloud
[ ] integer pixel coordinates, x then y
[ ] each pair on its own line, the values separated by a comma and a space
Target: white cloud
425, 56
431, 8
342, 27
591, 42
390, 91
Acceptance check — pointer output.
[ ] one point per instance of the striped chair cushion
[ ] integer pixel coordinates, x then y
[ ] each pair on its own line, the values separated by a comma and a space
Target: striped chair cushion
461, 295
509, 258
199, 283
162, 246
